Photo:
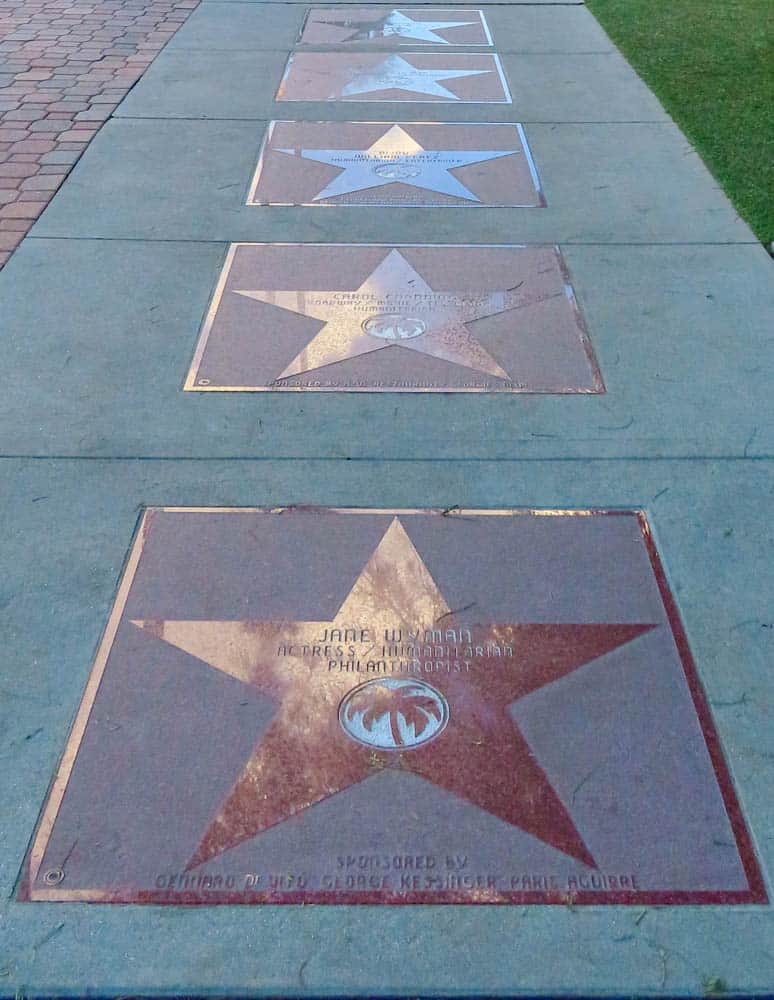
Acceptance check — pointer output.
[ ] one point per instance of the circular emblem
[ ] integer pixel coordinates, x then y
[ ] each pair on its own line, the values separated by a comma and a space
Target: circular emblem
396, 171
394, 326
393, 713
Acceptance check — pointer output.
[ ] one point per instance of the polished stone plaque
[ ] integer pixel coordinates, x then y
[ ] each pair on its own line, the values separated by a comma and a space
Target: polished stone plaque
376, 318
374, 706
411, 164
386, 27
447, 77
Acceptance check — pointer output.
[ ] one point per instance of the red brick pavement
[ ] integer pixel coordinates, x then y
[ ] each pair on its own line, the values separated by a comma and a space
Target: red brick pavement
64, 66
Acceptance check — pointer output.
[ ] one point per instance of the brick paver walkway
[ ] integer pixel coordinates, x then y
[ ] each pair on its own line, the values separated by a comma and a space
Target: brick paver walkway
64, 66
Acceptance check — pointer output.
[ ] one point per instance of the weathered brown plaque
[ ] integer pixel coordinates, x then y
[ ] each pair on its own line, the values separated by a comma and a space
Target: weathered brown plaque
413, 164
415, 77
376, 706
386, 27
374, 318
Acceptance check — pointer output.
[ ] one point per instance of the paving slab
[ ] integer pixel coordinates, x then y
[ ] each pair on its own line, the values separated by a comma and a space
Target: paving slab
380, 319
386, 27
681, 334
256, 27
429, 692
73, 528
449, 77
238, 84
602, 184
399, 165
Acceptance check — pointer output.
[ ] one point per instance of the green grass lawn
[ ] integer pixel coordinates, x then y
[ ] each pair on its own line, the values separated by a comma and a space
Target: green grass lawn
711, 63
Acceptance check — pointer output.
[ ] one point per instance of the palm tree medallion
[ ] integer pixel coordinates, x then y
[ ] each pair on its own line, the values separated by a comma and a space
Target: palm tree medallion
394, 713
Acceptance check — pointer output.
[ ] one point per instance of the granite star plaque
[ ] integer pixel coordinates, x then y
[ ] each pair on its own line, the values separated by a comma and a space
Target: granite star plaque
385, 27
375, 706
413, 164
393, 319
415, 77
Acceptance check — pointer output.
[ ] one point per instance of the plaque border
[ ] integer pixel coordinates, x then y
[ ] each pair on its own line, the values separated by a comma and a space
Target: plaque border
191, 383
756, 894
268, 132
311, 46
279, 98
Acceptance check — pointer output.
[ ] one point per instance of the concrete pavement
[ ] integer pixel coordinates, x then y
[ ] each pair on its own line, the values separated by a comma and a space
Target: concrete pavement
103, 305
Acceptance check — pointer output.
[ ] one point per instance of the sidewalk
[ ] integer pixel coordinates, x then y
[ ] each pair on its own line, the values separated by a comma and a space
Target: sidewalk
64, 67
190, 325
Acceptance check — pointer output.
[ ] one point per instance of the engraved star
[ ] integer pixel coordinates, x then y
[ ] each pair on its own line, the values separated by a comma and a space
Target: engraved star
306, 756
397, 24
397, 158
395, 73
393, 307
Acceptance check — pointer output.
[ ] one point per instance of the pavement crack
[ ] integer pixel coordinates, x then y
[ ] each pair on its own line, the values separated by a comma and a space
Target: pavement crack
749, 441
48, 937
584, 781
741, 700
455, 611
617, 427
